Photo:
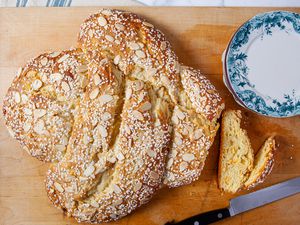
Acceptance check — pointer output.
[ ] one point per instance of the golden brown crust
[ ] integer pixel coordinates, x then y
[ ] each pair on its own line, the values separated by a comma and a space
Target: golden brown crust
135, 162
263, 163
123, 118
38, 106
194, 127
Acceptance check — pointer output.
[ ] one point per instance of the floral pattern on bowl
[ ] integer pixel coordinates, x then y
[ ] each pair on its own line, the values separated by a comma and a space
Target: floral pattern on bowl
248, 79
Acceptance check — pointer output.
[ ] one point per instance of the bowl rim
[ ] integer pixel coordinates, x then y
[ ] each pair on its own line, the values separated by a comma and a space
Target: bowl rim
225, 67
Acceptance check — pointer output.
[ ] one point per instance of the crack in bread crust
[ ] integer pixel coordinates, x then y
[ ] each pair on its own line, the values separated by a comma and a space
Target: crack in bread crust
133, 118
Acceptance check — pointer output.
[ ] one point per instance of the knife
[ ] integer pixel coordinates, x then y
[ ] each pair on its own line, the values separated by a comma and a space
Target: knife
246, 202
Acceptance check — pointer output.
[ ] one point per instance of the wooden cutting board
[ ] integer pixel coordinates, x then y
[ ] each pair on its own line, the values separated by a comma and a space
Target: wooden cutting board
199, 36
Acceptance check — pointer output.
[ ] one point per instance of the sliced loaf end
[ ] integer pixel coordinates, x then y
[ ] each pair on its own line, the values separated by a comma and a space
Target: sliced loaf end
263, 163
236, 154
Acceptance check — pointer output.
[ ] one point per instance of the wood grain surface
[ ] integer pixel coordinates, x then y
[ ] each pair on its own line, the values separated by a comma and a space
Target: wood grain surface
199, 36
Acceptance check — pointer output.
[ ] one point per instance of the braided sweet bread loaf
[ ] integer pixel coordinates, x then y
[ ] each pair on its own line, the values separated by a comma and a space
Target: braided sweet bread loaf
117, 118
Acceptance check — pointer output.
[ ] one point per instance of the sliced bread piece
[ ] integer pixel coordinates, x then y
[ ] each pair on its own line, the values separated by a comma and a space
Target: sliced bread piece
263, 163
236, 154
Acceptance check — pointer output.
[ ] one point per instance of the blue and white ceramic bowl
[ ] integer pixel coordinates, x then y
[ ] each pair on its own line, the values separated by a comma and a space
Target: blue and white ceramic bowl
262, 64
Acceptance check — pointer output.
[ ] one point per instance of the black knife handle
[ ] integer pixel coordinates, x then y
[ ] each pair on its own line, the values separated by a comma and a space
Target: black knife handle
205, 218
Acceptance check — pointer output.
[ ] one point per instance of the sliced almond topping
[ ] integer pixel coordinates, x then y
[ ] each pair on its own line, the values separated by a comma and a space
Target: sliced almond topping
105, 99
120, 26
69, 189
157, 123
106, 116
120, 156
174, 153
91, 32
89, 170
56, 77
183, 166
54, 54
60, 148
24, 98
141, 44
175, 119
188, 157
102, 21
178, 141
170, 163
36, 85
94, 93
94, 203
117, 59
63, 58
165, 80
116, 189
44, 77
137, 115
146, 106
83, 82
151, 71
58, 187
141, 97
31, 73
27, 111
148, 24
198, 134
163, 45
171, 176
65, 86
151, 153
127, 129
179, 113
113, 216
109, 38
184, 131
138, 85
17, 97
83, 179
102, 131
26, 126
154, 175
82, 68
61, 98
97, 79
117, 202
86, 138
128, 93
39, 127
37, 113
133, 46
106, 12
111, 159
44, 61
64, 140
137, 186
141, 54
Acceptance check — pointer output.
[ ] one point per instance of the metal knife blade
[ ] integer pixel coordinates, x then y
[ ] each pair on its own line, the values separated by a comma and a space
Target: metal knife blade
246, 202
264, 196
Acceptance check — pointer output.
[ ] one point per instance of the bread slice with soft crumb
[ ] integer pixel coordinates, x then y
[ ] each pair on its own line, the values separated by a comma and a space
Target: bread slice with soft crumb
236, 154
263, 163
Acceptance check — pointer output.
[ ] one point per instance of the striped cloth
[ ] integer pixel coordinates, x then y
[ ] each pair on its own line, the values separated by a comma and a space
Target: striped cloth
66, 3
59, 3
